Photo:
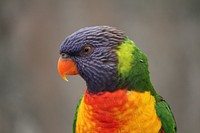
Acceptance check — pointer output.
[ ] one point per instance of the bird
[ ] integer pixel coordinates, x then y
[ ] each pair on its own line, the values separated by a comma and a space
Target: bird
119, 97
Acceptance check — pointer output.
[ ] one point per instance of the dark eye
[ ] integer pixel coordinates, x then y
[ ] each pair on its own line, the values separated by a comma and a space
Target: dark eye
64, 55
86, 50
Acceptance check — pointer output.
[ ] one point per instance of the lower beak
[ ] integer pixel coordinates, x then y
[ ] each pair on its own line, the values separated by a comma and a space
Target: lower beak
66, 67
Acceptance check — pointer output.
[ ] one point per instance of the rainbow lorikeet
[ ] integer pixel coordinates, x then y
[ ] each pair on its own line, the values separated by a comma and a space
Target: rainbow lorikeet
120, 97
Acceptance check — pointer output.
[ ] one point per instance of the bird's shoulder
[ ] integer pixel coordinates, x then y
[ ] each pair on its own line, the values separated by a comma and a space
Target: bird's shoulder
75, 115
166, 116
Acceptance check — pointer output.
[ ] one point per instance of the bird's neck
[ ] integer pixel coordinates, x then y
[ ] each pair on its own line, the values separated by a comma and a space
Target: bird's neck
133, 68
142, 83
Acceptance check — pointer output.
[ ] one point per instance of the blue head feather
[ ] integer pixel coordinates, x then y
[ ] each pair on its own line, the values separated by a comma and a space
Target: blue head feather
99, 68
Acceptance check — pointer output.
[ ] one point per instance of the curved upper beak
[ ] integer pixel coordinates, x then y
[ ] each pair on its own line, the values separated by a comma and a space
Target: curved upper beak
66, 67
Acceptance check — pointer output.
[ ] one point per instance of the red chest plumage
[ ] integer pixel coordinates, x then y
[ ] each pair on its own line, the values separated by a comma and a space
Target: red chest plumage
121, 111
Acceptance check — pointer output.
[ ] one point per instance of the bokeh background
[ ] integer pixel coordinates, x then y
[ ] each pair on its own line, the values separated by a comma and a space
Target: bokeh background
34, 99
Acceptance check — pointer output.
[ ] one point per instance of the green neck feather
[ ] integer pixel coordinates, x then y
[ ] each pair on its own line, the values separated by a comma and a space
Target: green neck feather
133, 68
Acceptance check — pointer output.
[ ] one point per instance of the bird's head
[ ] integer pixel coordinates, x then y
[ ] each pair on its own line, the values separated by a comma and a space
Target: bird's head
103, 56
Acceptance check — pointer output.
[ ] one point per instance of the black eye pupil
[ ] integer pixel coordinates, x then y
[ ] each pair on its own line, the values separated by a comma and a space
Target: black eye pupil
86, 50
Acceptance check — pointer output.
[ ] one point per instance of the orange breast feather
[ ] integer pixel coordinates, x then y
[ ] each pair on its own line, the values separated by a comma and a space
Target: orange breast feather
121, 111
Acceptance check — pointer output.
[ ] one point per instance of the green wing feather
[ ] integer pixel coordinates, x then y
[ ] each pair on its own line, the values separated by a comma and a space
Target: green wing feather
165, 114
75, 115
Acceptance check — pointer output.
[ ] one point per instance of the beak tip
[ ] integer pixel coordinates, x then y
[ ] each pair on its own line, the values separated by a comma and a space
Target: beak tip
66, 67
64, 77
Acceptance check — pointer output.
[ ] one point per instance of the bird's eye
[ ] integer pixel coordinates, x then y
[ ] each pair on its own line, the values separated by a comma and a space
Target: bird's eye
64, 55
86, 50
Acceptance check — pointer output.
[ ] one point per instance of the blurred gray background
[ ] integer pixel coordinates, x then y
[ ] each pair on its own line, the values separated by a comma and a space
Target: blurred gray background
33, 97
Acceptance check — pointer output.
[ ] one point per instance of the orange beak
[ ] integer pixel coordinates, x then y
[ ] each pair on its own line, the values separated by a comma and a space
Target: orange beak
66, 67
